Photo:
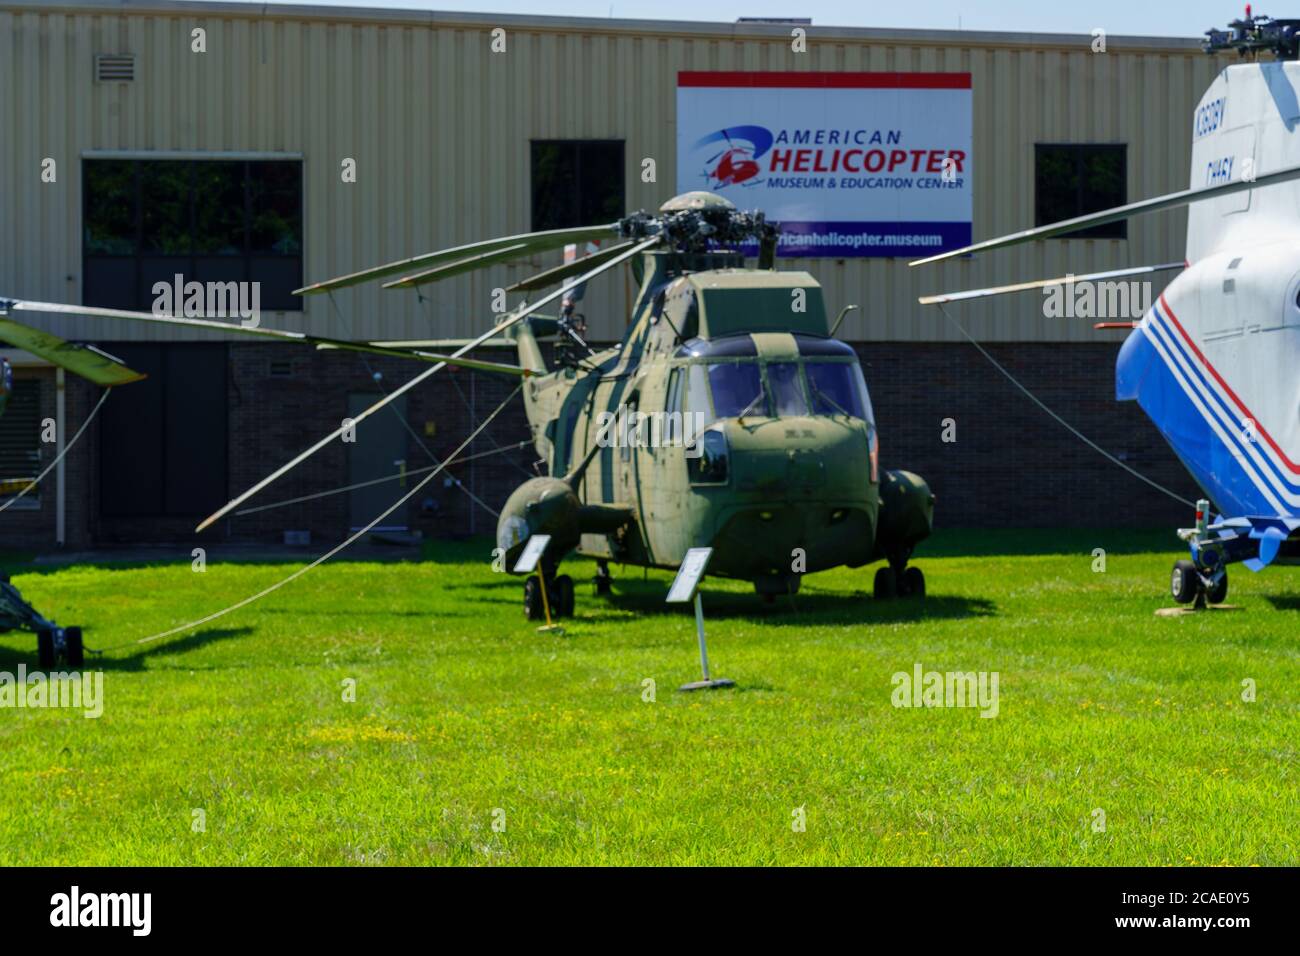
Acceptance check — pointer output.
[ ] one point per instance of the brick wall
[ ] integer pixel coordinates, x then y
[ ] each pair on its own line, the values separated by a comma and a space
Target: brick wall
272, 418
1011, 464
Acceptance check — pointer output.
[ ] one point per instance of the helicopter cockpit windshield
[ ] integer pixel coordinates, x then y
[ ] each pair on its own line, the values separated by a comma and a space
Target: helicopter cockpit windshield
822, 387
838, 388
729, 379
737, 390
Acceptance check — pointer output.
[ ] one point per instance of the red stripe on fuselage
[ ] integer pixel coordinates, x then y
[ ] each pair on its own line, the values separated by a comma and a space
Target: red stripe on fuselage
1291, 466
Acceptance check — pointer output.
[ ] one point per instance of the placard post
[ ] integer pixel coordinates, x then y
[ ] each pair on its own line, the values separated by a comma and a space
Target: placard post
686, 587
531, 560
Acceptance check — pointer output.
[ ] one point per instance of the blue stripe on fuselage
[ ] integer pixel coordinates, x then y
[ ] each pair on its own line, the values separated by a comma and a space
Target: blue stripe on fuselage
1141, 374
1231, 419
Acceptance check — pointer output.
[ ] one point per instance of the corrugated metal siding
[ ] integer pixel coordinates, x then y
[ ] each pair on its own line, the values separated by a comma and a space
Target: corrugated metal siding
440, 126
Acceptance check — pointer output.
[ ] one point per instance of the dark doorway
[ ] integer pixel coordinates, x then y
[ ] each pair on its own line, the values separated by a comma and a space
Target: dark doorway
163, 441
378, 452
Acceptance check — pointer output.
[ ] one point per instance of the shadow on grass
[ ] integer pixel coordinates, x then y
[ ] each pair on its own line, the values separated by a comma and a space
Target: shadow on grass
647, 599
1284, 602
11, 657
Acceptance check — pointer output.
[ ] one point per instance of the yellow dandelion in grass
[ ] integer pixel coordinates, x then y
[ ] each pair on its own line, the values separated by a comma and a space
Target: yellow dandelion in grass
50, 772
368, 732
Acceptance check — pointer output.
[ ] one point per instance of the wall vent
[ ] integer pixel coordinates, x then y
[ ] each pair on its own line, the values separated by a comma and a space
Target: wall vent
115, 67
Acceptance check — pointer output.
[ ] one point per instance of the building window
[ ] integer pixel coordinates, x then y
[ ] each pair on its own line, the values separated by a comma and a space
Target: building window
20, 442
1074, 180
577, 182
208, 220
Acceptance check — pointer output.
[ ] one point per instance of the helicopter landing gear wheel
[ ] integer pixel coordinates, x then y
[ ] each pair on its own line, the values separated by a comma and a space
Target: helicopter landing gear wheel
45, 648
533, 609
74, 652
885, 587
911, 583
1217, 592
603, 582
1184, 582
562, 589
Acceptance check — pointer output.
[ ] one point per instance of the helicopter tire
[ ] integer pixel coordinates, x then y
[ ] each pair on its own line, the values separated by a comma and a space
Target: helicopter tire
533, 609
912, 583
1218, 592
604, 585
885, 587
74, 652
45, 648
564, 601
1184, 582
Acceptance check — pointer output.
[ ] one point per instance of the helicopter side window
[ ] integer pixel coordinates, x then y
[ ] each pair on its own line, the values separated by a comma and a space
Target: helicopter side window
625, 447
710, 466
737, 390
838, 388
786, 383
673, 405
695, 393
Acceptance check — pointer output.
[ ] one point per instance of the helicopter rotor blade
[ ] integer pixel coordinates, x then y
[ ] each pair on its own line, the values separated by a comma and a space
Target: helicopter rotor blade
530, 242
413, 350
91, 363
1045, 283
481, 261
479, 365
512, 319
1155, 204
551, 276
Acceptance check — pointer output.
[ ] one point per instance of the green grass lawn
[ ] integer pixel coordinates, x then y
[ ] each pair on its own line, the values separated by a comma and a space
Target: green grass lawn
466, 715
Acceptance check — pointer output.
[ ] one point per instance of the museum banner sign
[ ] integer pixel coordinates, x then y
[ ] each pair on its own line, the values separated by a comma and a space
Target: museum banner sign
850, 164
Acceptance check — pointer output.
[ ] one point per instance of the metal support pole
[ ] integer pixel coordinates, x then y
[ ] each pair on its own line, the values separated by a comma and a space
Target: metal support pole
546, 605
699, 630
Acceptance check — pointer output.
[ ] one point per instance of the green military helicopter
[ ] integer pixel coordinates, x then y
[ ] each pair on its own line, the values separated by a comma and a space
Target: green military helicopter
728, 416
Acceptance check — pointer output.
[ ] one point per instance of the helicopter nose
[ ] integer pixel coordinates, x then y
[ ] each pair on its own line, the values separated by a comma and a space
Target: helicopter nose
805, 468
811, 460
764, 536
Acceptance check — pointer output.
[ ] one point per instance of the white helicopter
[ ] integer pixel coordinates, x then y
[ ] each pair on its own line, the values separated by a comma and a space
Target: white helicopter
1215, 361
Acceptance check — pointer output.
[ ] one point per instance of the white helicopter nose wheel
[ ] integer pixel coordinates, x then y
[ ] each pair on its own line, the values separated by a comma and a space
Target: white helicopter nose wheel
1186, 584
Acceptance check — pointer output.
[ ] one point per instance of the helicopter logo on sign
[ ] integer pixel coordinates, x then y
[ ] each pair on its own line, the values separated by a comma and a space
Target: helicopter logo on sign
737, 163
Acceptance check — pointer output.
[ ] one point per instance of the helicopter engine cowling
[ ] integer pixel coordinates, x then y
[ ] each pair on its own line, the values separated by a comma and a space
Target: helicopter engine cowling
540, 506
906, 513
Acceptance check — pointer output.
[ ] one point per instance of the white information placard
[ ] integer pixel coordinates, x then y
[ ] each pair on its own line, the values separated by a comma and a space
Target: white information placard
688, 575
527, 562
